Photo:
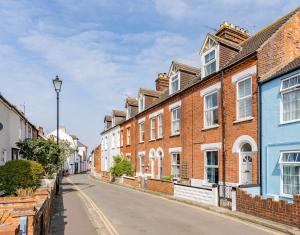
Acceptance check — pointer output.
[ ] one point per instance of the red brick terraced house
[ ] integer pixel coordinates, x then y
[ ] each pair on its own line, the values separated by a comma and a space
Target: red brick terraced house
128, 132
200, 125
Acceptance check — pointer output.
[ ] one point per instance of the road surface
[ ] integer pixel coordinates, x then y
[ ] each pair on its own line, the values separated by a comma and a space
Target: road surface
88, 206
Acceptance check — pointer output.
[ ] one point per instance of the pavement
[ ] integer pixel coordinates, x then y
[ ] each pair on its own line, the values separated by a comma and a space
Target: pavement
89, 206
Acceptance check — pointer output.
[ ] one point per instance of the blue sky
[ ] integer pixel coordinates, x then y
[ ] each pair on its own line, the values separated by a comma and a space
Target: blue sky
104, 50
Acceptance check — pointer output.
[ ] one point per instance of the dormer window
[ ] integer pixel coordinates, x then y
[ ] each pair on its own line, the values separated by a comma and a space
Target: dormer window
174, 83
141, 103
209, 58
128, 112
210, 62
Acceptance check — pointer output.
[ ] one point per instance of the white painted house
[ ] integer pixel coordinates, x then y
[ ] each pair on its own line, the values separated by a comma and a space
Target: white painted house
110, 138
76, 162
14, 127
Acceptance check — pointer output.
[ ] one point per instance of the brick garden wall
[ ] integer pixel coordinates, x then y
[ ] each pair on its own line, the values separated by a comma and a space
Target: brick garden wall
161, 186
37, 208
279, 211
132, 181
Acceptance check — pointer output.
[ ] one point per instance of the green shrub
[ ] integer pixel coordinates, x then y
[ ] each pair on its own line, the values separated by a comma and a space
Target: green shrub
120, 167
20, 174
167, 177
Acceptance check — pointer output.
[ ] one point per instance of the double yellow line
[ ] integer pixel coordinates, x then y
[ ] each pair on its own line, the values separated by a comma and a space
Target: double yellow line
109, 227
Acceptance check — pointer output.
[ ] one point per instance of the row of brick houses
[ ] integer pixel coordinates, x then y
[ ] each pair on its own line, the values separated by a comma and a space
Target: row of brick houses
202, 125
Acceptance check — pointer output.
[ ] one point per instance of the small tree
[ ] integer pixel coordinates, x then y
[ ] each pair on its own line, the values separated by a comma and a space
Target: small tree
46, 152
121, 166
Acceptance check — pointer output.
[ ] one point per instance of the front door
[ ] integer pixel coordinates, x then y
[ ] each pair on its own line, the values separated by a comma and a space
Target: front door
246, 168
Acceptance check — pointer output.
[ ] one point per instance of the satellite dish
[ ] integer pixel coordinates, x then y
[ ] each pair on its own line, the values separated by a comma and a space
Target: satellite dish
1, 126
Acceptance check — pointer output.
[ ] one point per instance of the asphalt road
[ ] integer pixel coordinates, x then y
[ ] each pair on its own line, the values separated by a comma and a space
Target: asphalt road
129, 212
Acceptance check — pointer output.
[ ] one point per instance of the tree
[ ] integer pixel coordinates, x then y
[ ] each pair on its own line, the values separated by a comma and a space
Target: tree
120, 167
46, 152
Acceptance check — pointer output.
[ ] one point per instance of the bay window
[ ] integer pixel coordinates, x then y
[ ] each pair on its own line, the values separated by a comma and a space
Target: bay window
211, 109
244, 99
290, 172
290, 95
211, 167
175, 121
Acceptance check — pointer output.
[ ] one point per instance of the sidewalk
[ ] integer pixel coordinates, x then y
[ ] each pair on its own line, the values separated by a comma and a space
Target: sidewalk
70, 216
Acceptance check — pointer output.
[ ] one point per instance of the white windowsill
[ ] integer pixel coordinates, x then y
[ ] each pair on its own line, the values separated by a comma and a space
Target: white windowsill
210, 127
244, 120
174, 134
141, 142
152, 140
289, 122
159, 138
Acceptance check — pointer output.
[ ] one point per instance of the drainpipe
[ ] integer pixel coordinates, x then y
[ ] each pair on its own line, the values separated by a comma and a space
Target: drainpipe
223, 135
259, 162
135, 143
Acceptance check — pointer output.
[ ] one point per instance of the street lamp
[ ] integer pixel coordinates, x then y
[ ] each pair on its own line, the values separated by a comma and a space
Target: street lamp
57, 86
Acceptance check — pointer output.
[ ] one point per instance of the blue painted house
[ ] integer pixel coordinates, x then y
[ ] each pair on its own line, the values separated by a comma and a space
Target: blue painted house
280, 133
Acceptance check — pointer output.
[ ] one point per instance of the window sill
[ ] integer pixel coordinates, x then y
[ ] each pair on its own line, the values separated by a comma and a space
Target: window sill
141, 142
159, 138
243, 120
152, 140
127, 145
210, 127
174, 134
289, 122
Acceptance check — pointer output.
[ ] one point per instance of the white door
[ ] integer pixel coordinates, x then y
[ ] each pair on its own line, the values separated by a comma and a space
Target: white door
152, 167
246, 167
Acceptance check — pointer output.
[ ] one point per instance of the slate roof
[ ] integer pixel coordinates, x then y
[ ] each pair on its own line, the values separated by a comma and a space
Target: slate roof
185, 67
225, 41
293, 65
150, 92
118, 113
253, 43
132, 102
107, 118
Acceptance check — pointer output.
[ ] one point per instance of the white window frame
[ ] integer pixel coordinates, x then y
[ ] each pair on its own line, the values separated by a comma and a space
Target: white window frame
178, 154
142, 166
211, 166
177, 120
210, 109
285, 91
128, 136
281, 163
142, 132
203, 64
122, 138
3, 157
171, 82
159, 126
238, 99
152, 129
141, 102
113, 140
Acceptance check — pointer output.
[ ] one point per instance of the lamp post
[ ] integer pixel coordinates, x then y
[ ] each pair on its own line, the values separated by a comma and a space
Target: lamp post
57, 86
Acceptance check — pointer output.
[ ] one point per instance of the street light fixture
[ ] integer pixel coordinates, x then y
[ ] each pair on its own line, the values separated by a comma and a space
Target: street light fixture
57, 86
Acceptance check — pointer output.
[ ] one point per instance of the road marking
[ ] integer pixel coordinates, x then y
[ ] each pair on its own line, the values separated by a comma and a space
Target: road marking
248, 223
110, 228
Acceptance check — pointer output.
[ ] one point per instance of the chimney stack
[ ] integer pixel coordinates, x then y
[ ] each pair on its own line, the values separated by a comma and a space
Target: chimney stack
232, 33
162, 82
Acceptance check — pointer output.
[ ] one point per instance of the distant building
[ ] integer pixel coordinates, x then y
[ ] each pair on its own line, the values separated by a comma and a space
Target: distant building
14, 127
76, 162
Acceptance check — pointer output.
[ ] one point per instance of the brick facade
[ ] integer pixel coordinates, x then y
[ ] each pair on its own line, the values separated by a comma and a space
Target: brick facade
132, 181
280, 211
97, 159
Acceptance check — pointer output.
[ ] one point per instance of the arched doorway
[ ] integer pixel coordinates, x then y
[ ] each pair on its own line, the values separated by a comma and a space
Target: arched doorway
246, 161
152, 162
